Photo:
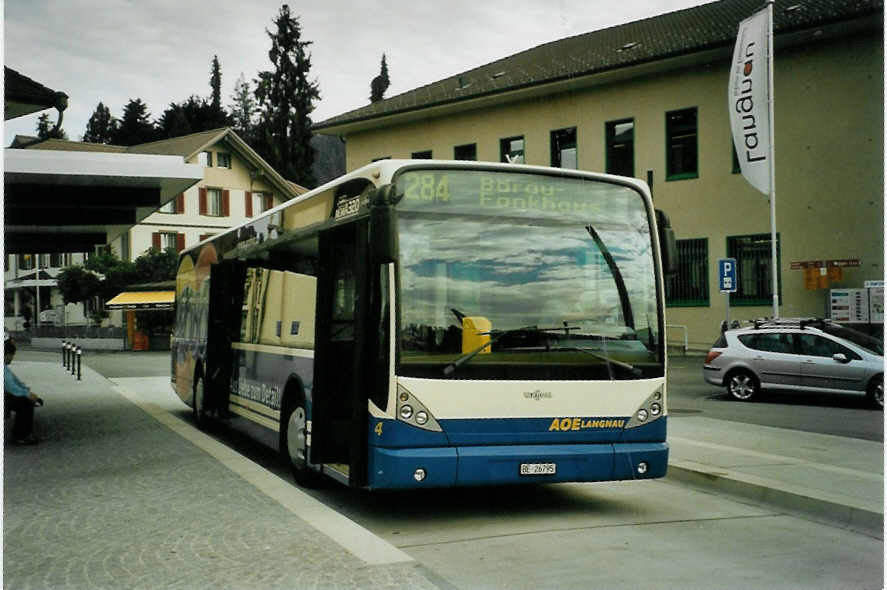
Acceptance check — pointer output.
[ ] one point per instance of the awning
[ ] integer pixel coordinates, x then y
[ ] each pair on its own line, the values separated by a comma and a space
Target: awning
143, 300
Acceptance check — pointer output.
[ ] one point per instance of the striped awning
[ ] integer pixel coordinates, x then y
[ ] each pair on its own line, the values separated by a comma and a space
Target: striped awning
143, 300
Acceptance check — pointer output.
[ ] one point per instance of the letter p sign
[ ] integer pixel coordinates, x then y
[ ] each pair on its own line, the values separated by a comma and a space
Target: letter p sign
727, 275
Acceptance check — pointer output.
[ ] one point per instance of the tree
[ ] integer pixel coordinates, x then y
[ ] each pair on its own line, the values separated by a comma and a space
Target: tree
243, 110
215, 83
174, 122
45, 129
286, 98
380, 83
135, 126
101, 125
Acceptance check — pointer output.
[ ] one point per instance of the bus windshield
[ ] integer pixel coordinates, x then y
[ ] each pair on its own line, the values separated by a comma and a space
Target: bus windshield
557, 272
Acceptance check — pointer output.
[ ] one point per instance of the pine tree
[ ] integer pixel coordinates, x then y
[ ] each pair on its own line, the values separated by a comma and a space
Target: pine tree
286, 98
380, 83
135, 126
46, 130
215, 82
101, 125
243, 110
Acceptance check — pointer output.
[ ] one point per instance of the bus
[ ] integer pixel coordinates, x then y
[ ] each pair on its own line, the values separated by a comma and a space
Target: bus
420, 323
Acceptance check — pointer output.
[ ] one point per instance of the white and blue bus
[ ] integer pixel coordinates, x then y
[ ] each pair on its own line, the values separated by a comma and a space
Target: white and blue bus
438, 323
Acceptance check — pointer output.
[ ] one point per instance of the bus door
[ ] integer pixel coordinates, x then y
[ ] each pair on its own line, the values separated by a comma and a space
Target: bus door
339, 403
225, 305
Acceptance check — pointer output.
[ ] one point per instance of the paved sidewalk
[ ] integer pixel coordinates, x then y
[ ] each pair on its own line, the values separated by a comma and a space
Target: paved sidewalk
833, 479
111, 498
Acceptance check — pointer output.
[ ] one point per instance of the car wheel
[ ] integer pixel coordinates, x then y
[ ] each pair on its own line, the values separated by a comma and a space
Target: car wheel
294, 437
743, 385
876, 392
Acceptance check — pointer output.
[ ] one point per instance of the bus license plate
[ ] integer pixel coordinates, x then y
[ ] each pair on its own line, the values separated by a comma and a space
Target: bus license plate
538, 468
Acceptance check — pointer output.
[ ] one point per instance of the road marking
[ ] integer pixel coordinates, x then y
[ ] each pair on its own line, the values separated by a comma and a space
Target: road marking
357, 540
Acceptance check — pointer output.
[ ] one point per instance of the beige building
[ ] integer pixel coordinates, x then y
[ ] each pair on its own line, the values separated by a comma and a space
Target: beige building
649, 99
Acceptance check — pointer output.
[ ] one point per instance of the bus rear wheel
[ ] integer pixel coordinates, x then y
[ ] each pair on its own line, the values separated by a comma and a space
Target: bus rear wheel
295, 444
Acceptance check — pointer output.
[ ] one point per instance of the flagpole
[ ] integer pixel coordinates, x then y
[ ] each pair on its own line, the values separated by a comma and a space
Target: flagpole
773, 245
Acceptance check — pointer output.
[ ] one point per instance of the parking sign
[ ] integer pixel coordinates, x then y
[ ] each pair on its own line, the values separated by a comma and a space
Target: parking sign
727, 275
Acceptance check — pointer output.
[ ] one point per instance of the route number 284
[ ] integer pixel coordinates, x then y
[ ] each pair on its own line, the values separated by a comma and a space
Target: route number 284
428, 187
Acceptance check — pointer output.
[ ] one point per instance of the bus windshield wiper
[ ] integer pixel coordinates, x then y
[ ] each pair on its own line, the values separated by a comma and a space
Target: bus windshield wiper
611, 362
451, 368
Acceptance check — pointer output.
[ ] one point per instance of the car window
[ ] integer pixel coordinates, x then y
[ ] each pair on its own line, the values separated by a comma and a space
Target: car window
769, 342
813, 345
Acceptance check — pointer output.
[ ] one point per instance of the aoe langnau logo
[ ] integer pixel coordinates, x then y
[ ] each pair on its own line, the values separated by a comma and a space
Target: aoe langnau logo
564, 424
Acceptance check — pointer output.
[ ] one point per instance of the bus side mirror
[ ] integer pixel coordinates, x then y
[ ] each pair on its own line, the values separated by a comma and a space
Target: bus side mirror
383, 226
667, 246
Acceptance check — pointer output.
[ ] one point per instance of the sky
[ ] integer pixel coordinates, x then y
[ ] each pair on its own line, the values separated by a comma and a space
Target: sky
161, 51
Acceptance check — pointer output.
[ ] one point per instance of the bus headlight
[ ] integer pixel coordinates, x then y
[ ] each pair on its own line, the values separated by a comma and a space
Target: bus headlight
414, 413
651, 410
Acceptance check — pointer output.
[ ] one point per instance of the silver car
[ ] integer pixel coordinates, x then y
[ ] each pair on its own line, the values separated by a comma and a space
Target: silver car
807, 355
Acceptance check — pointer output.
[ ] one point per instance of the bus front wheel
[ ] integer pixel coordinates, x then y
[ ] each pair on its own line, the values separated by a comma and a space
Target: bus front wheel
295, 444
201, 417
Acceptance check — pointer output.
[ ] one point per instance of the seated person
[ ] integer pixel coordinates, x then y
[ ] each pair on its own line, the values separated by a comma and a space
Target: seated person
19, 399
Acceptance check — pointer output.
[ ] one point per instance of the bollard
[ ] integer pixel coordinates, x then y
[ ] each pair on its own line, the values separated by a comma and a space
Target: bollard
64, 355
79, 354
67, 354
73, 352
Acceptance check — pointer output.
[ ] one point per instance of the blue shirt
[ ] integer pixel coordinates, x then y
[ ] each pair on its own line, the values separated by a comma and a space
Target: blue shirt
12, 384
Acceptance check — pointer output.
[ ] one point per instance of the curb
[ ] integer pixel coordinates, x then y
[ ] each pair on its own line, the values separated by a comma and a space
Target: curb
831, 509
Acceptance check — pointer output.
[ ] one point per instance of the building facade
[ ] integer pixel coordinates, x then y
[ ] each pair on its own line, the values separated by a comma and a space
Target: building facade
642, 101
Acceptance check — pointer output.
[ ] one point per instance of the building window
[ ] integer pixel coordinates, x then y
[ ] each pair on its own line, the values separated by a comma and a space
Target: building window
511, 150
426, 155
205, 159
26, 262
689, 286
682, 157
168, 240
467, 151
56, 260
214, 202
223, 160
619, 138
262, 202
563, 149
754, 276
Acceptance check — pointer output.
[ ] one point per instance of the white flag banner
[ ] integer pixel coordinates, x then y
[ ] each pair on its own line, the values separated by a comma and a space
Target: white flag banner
749, 96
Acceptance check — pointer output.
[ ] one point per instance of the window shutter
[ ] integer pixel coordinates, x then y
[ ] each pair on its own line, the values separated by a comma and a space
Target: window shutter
226, 203
269, 202
249, 204
180, 203
155, 240
180, 242
202, 192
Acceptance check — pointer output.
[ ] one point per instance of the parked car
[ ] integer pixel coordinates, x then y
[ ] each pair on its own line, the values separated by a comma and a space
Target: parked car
806, 355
